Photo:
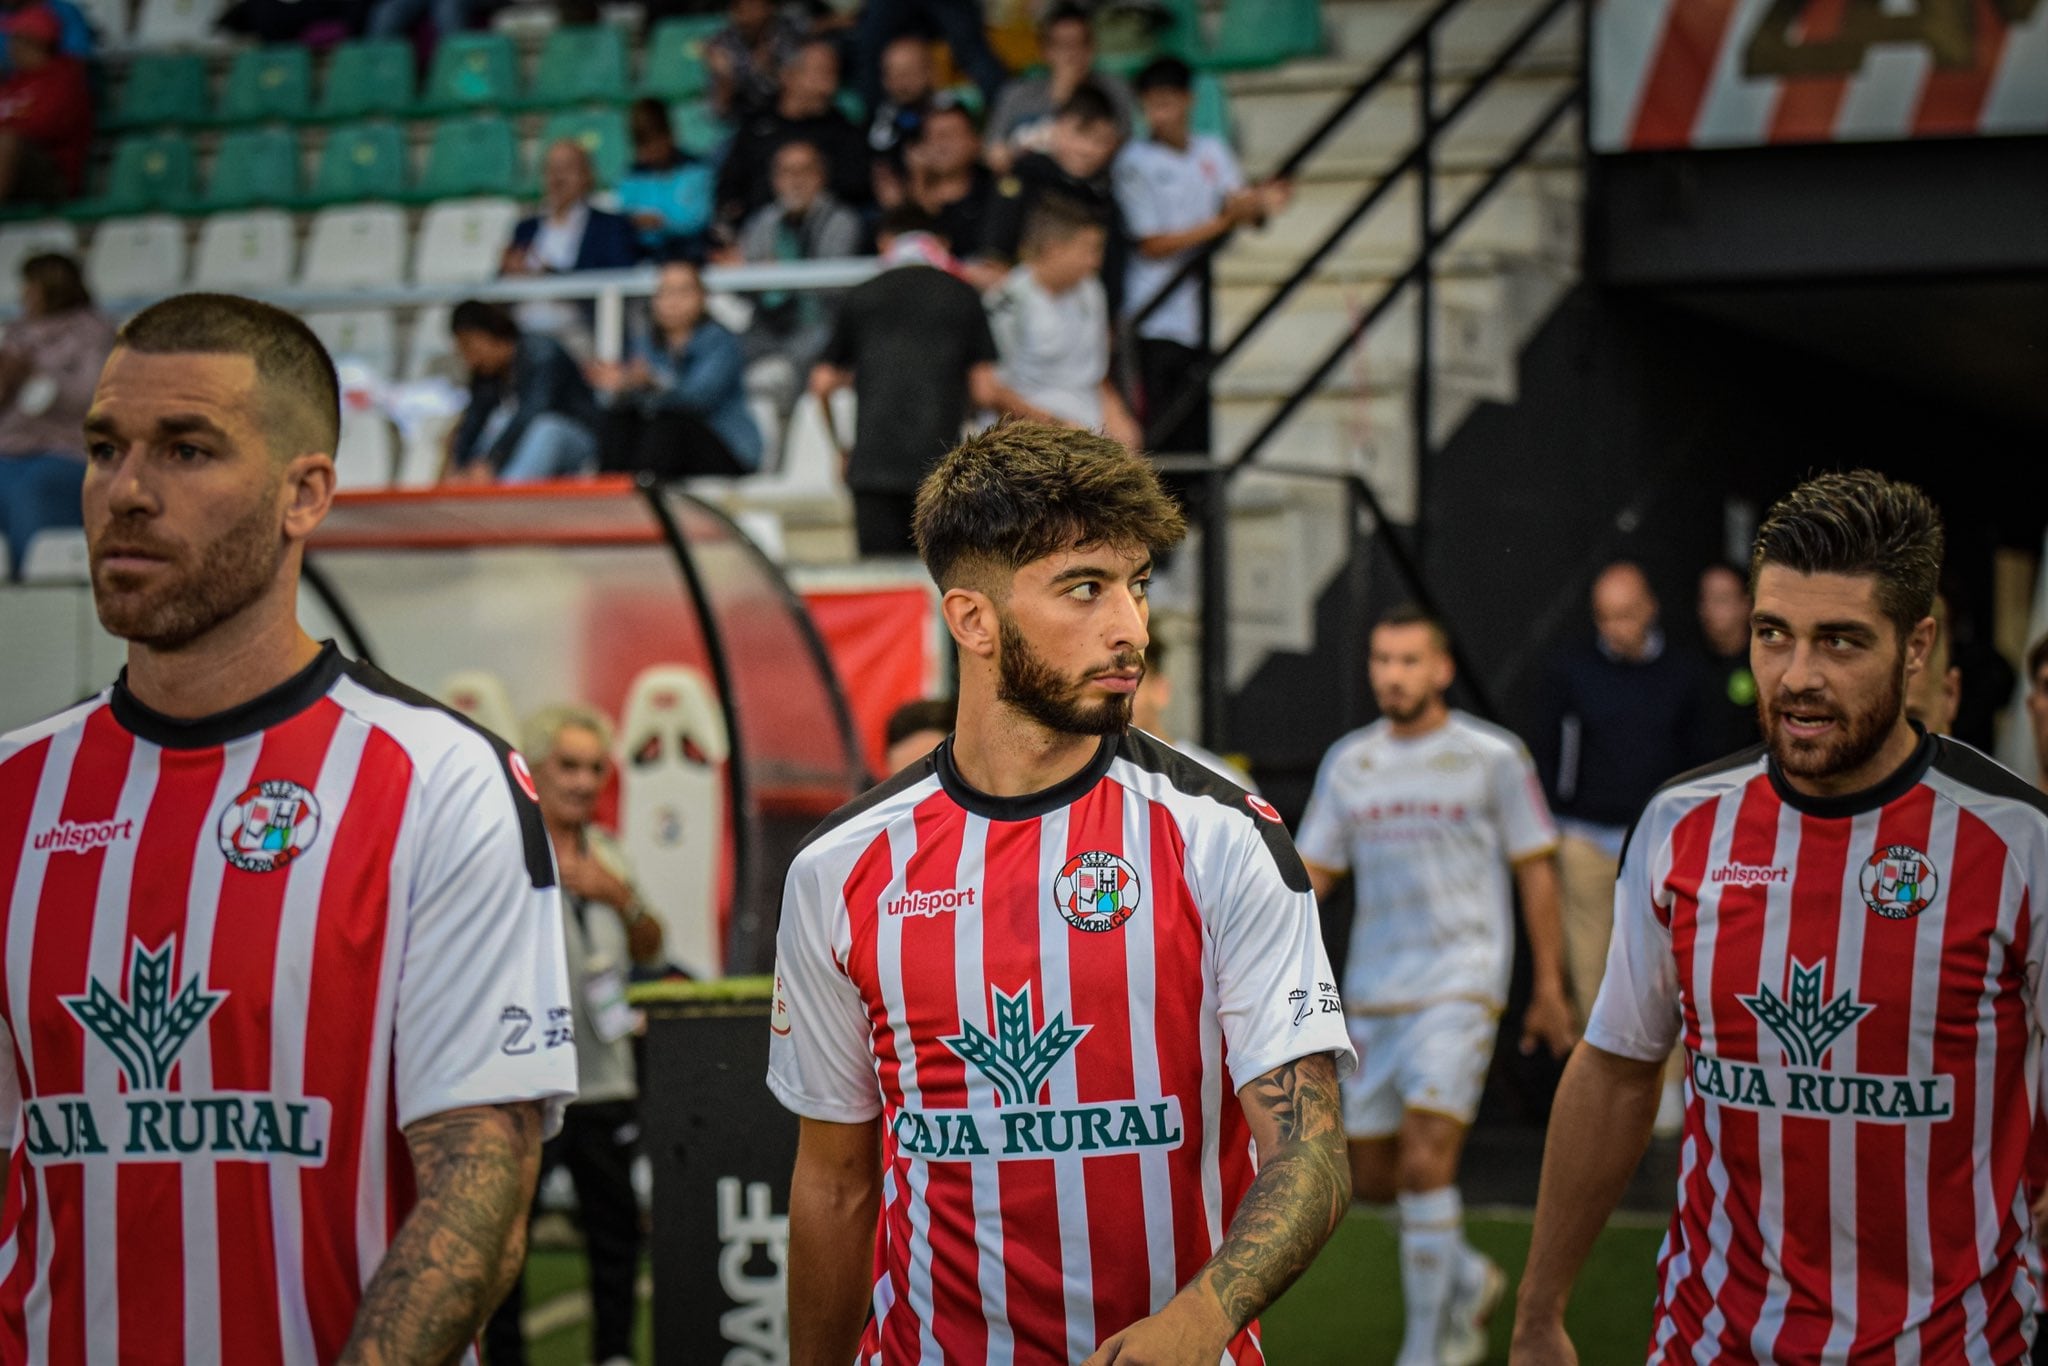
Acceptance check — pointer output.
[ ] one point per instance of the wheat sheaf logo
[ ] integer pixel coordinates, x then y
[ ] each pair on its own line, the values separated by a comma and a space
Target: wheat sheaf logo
1806, 1028
146, 1032
1017, 1058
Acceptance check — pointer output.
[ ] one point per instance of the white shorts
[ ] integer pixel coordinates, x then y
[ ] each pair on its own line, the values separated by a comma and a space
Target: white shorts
1434, 1059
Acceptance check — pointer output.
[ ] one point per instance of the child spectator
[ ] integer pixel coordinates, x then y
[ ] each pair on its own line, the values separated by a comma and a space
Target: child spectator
1084, 143
679, 402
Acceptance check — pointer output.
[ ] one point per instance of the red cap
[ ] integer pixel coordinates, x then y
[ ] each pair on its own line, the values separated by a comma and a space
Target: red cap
37, 23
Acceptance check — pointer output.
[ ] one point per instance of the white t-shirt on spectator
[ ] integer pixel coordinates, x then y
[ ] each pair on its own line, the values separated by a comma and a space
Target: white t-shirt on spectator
1161, 190
1054, 348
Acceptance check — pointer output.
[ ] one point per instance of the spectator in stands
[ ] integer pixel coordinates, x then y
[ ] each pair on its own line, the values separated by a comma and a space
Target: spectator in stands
570, 233
607, 931
805, 223
1021, 119
2037, 706
45, 112
748, 55
803, 110
398, 18
944, 175
1179, 190
881, 21
678, 400
50, 360
915, 729
531, 414
75, 37
667, 193
1149, 706
914, 344
907, 89
1728, 711
1050, 319
1084, 144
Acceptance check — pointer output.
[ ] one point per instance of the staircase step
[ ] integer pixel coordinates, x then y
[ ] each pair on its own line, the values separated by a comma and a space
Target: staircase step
1363, 30
1271, 123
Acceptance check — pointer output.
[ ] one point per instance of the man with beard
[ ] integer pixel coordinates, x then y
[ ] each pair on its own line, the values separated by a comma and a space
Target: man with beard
1430, 809
285, 1004
1019, 982
1845, 932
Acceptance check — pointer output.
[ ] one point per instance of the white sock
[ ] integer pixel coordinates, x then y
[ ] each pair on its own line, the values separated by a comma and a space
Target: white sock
1432, 1251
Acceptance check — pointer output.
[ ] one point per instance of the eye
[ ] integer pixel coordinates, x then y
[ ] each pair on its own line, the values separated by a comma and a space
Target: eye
1085, 592
1142, 587
102, 451
186, 451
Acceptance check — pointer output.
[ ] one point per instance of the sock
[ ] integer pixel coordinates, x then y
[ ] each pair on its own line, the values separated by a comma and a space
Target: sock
1432, 1250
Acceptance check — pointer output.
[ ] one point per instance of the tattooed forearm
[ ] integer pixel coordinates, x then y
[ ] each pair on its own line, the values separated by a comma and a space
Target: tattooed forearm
456, 1254
1299, 1197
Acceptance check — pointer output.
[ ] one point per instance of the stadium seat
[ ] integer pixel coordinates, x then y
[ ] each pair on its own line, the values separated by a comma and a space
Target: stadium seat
1255, 33
149, 171
56, 555
461, 240
19, 241
373, 76
366, 336
360, 161
603, 135
268, 83
244, 252
365, 457
254, 166
109, 19
355, 245
137, 258
178, 23
675, 67
429, 350
474, 155
1211, 111
163, 89
580, 64
472, 71
698, 129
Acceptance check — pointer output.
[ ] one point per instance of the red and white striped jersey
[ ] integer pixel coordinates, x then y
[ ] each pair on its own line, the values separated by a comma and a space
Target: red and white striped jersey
1858, 984
238, 956
1050, 1001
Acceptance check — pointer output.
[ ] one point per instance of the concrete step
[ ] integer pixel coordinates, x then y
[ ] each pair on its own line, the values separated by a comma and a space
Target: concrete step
1269, 124
1362, 30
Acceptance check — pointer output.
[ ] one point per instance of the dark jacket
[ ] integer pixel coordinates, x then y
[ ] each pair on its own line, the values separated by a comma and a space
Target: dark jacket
610, 241
1613, 731
1033, 177
543, 378
743, 184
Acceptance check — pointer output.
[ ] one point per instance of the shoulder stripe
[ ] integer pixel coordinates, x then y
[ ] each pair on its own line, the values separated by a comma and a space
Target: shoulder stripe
1721, 773
1974, 769
880, 793
1152, 755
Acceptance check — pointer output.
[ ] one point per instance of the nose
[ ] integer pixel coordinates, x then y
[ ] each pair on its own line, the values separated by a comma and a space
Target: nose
127, 487
1802, 672
1128, 623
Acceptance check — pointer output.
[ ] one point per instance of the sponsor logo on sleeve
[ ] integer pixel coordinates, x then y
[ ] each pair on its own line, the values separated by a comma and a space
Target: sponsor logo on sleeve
1262, 808
1324, 1000
268, 826
778, 1012
522, 775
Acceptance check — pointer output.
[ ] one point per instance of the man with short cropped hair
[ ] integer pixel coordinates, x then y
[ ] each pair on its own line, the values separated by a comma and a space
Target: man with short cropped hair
284, 934
531, 412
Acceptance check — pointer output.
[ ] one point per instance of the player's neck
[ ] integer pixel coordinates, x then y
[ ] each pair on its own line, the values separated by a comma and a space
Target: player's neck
1004, 754
241, 658
1897, 749
1431, 720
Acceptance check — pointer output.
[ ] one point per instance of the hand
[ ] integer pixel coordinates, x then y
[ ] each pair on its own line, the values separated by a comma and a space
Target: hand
1275, 196
1190, 1331
1243, 206
1541, 1344
1548, 1021
515, 261
476, 473
605, 376
584, 876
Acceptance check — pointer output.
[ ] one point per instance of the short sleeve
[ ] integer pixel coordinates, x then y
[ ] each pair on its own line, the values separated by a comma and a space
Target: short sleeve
1322, 838
483, 1014
821, 1063
1637, 1012
1135, 197
1526, 827
1276, 996
1229, 175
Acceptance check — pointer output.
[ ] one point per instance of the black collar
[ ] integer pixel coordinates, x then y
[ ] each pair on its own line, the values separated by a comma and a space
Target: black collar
1031, 805
259, 713
1903, 779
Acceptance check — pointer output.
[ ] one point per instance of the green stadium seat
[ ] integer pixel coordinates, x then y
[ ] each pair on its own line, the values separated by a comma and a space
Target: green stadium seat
698, 130
374, 76
1211, 111
361, 161
163, 89
254, 166
148, 171
602, 133
580, 64
477, 154
1256, 33
268, 83
472, 71
675, 68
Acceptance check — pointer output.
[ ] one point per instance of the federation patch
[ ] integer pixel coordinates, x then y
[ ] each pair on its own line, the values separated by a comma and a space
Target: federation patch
522, 775
268, 826
1097, 892
1899, 881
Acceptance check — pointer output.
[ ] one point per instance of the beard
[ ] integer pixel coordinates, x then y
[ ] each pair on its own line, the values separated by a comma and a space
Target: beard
1031, 685
1857, 738
196, 589
1403, 713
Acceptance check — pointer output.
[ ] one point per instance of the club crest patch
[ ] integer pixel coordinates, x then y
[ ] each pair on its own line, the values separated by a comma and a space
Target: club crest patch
1899, 881
1097, 892
268, 826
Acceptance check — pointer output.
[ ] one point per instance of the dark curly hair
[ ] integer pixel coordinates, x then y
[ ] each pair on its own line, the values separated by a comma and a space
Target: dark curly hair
1859, 523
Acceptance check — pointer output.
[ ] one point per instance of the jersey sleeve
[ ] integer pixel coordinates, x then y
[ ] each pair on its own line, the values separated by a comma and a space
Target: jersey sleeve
483, 1014
1276, 996
1135, 197
1526, 827
820, 1062
1229, 175
1636, 1012
1321, 837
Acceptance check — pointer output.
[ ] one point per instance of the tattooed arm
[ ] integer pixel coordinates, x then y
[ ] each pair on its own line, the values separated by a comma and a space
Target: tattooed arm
1294, 1205
457, 1252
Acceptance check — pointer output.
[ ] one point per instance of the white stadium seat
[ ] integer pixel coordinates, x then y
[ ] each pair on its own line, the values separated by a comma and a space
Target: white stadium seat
362, 245
461, 240
178, 23
244, 252
137, 258
430, 351
56, 556
19, 241
363, 458
366, 336
109, 20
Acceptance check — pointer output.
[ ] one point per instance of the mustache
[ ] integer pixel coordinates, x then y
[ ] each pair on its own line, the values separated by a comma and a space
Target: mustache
1118, 665
1811, 702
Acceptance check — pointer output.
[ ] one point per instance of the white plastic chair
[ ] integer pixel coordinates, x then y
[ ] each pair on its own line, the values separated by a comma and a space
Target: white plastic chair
179, 23
137, 258
245, 252
367, 336
365, 456
19, 241
461, 240
56, 556
360, 245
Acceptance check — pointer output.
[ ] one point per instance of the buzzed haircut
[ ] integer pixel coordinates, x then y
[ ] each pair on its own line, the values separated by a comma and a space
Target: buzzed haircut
925, 713
293, 370
2037, 658
1023, 490
1859, 524
1088, 106
1164, 73
1054, 219
1413, 614
492, 320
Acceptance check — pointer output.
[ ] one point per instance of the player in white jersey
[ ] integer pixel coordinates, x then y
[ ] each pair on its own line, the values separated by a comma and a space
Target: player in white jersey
1430, 810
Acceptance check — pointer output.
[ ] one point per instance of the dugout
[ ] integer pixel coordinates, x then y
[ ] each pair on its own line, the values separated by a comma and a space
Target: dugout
735, 737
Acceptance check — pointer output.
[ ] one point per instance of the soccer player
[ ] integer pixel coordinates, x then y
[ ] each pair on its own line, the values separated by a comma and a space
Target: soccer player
280, 945
1052, 1001
1845, 931
1431, 809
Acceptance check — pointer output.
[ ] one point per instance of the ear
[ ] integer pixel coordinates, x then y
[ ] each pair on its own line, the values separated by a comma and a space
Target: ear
308, 493
971, 618
1920, 645
1446, 671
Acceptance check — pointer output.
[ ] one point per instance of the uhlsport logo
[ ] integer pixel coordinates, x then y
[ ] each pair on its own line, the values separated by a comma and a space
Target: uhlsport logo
82, 837
1751, 874
933, 903
146, 1030
1097, 892
1019, 1060
1808, 1026
269, 826
1899, 881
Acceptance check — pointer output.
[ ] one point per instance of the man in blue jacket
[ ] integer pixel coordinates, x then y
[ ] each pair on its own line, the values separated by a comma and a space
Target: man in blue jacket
569, 233
531, 414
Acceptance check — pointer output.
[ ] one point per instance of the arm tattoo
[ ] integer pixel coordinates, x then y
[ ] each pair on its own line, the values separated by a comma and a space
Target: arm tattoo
1299, 1197
456, 1254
